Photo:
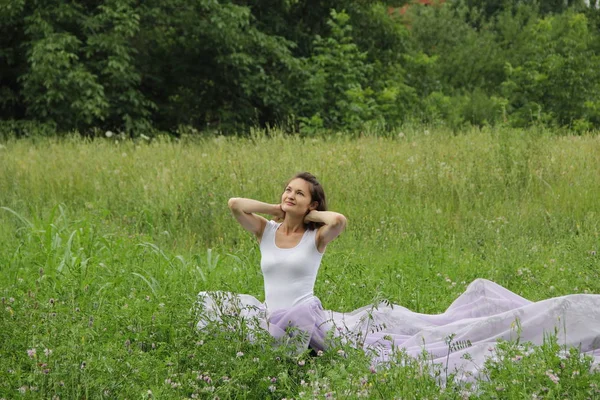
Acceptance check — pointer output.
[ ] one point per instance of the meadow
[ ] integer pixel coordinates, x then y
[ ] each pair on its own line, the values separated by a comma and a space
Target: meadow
105, 243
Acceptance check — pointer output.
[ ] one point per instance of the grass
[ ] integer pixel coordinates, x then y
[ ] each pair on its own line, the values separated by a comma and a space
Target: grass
105, 244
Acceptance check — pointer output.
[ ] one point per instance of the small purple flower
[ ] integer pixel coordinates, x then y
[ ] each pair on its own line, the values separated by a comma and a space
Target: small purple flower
31, 352
372, 369
273, 380
550, 374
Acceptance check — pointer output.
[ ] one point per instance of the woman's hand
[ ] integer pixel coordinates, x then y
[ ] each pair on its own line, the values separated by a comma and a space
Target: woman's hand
278, 214
310, 216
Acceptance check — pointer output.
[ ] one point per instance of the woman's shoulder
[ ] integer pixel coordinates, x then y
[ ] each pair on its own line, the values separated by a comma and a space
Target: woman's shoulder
271, 226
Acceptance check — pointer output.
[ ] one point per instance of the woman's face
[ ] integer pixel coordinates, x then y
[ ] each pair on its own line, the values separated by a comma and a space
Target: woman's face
296, 197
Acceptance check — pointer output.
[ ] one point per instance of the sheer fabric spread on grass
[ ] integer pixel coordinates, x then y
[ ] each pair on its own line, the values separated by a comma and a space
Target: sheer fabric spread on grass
476, 320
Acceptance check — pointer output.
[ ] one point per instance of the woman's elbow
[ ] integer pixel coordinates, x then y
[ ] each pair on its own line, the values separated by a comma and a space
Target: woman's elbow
232, 203
340, 220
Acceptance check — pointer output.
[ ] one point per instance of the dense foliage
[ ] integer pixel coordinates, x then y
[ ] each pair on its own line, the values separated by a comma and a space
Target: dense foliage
179, 65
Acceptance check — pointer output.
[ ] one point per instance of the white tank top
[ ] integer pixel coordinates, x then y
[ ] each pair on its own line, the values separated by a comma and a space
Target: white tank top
289, 274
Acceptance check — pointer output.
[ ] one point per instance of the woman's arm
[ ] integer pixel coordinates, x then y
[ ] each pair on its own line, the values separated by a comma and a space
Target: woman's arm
335, 223
244, 211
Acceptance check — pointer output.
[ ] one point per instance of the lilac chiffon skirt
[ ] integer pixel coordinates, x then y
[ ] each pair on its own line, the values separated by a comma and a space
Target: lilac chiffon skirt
304, 325
473, 324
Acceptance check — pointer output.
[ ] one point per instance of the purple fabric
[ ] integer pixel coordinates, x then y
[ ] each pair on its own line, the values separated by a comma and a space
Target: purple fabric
484, 313
305, 321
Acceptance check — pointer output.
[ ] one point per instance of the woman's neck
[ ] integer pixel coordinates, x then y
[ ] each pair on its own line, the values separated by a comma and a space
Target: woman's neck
292, 225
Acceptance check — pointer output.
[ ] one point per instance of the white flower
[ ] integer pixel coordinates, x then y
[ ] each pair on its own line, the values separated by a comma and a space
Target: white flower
108, 134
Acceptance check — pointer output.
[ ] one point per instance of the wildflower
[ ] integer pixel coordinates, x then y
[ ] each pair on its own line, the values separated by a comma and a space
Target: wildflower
341, 353
108, 134
82, 366
256, 359
550, 374
11, 300
301, 363
328, 395
239, 354
372, 369
500, 388
23, 389
593, 252
273, 380
272, 388
31, 352
207, 379
51, 301
319, 353
518, 357
225, 378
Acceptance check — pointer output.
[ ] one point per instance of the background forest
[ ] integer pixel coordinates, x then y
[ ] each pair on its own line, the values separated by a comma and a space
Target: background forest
188, 66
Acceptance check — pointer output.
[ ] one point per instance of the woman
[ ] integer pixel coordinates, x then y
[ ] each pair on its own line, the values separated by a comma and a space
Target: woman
292, 245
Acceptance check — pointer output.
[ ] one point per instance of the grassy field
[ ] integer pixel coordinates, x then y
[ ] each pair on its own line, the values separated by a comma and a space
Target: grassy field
105, 244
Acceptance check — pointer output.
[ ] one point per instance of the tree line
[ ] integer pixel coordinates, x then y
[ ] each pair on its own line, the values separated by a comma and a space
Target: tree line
195, 65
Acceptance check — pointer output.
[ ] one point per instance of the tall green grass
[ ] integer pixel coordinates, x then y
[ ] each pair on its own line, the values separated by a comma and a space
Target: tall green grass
105, 244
